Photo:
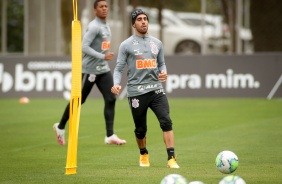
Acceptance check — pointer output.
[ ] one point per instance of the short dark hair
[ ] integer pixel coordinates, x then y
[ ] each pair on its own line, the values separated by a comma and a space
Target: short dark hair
96, 3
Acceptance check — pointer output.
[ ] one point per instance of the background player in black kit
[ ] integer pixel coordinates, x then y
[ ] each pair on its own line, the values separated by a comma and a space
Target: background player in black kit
95, 70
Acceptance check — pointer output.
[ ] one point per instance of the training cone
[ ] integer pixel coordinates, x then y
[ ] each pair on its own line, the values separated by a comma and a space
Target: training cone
24, 100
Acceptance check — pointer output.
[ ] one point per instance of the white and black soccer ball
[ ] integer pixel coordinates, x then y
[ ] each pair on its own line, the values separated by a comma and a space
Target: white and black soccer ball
226, 162
196, 182
232, 179
174, 179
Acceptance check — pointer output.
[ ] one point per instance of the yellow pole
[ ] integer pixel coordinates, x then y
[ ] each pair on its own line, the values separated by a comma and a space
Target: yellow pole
75, 101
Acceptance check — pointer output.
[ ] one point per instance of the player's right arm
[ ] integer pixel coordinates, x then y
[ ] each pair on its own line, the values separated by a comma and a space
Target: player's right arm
109, 56
121, 62
88, 38
116, 89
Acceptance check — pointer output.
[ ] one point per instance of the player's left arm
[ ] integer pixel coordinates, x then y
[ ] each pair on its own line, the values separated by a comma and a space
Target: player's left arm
161, 65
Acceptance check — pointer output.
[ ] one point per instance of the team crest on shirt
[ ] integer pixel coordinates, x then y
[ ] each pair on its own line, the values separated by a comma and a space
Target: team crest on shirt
154, 48
135, 103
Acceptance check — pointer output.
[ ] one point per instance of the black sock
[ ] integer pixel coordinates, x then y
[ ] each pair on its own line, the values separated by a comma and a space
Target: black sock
110, 133
109, 128
170, 153
143, 151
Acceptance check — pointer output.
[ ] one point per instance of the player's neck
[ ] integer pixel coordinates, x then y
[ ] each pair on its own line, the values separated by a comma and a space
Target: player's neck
104, 19
140, 34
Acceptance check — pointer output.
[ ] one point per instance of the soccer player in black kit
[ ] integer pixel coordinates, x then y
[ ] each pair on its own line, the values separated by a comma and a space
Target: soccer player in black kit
143, 54
95, 70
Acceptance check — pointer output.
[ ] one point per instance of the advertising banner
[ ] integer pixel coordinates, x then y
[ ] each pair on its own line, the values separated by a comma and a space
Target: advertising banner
258, 76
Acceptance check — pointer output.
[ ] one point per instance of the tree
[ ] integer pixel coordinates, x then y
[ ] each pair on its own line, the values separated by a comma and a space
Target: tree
266, 23
229, 13
67, 17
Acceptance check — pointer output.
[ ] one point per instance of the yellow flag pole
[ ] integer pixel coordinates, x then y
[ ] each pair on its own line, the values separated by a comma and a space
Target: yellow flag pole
75, 101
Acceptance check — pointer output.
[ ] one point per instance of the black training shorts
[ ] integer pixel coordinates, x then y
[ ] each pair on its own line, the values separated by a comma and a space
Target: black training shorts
157, 102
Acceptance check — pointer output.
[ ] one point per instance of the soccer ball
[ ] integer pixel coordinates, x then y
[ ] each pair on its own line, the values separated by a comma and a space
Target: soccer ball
226, 162
174, 179
196, 182
231, 179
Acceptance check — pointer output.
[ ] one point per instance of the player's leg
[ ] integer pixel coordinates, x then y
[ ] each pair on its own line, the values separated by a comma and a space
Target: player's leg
59, 127
139, 107
104, 83
160, 107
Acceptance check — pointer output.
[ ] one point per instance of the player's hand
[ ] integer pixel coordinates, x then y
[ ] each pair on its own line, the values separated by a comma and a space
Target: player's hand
162, 76
116, 89
109, 56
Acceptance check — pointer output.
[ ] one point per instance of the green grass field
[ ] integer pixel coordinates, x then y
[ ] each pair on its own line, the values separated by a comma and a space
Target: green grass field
252, 128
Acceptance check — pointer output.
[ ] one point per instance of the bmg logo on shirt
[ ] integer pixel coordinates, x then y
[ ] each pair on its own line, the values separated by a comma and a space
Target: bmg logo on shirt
106, 45
146, 63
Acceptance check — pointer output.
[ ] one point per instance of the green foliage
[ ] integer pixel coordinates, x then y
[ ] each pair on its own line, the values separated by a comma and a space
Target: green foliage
251, 128
15, 26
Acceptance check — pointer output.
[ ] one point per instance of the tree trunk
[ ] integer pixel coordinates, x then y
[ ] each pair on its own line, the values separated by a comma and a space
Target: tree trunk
266, 25
67, 18
160, 18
